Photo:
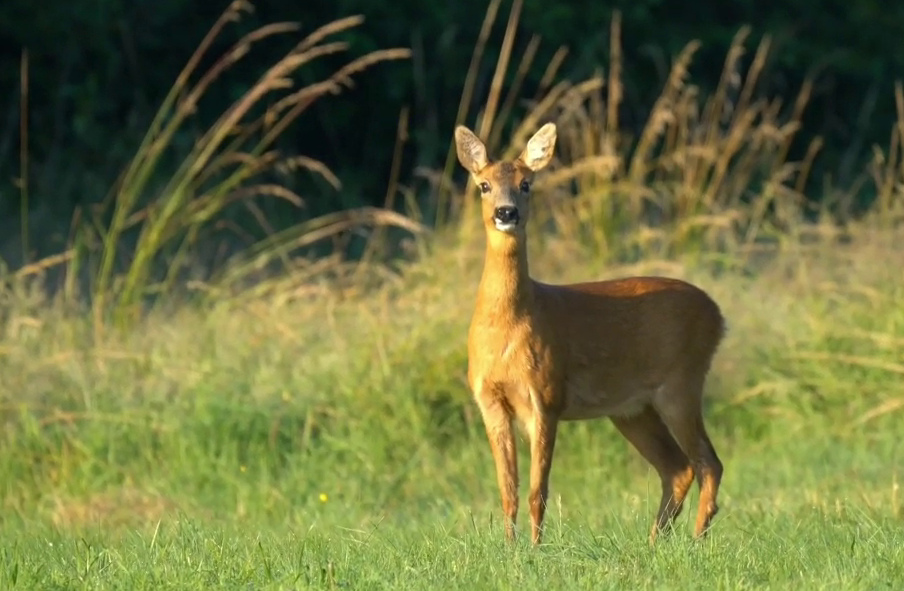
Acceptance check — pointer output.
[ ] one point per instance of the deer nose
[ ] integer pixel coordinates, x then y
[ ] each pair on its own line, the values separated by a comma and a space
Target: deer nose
507, 214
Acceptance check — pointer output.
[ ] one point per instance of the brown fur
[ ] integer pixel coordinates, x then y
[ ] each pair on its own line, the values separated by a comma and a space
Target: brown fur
636, 350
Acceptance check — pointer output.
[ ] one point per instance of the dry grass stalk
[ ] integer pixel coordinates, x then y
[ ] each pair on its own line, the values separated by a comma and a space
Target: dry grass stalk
229, 163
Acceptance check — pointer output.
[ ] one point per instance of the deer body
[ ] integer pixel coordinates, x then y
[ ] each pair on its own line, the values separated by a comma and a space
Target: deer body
636, 350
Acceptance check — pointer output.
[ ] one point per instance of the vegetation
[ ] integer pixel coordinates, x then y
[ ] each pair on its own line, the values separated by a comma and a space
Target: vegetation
96, 71
284, 421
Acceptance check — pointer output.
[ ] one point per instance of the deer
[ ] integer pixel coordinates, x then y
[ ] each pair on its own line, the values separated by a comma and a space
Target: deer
636, 350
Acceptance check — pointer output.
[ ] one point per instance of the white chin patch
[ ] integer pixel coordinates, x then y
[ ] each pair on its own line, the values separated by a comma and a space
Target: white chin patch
507, 228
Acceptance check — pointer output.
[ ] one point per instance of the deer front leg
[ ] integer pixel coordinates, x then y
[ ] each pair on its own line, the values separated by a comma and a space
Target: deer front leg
542, 445
498, 423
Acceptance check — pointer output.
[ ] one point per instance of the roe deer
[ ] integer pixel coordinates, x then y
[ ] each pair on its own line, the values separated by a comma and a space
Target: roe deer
635, 349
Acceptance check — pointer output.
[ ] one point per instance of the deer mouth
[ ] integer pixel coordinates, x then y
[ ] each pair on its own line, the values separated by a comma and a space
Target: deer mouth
507, 227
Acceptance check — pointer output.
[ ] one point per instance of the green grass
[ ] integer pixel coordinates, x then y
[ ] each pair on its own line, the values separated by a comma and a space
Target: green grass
330, 442
820, 550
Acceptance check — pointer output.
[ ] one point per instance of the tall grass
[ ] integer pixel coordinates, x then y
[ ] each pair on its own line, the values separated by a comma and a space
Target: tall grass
704, 169
233, 161
707, 173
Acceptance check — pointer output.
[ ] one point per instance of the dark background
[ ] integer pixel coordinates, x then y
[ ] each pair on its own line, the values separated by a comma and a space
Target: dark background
98, 69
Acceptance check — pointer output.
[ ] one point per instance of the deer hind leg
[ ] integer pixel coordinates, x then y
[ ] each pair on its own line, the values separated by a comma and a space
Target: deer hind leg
498, 423
652, 439
709, 481
680, 407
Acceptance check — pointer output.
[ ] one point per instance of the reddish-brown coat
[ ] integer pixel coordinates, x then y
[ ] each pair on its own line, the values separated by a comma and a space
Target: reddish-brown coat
636, 350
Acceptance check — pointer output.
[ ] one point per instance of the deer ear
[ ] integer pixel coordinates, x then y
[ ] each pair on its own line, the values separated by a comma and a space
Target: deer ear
472, 153
539, 149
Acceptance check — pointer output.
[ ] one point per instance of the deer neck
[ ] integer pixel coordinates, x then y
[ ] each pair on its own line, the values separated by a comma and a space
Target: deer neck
505, 288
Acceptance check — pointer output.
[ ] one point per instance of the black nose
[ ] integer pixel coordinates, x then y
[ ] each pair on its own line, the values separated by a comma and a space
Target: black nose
507, 214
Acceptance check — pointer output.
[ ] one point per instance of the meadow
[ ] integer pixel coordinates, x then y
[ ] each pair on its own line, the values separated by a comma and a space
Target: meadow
312, 427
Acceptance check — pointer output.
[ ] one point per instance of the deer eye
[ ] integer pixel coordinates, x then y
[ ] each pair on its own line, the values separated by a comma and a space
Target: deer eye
484, 187
525, 187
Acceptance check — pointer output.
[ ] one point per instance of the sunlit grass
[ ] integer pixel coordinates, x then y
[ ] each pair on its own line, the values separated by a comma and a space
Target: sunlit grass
278, 439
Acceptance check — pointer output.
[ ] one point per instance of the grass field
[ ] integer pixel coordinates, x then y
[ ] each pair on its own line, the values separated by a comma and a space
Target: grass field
330, 442
315, 432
